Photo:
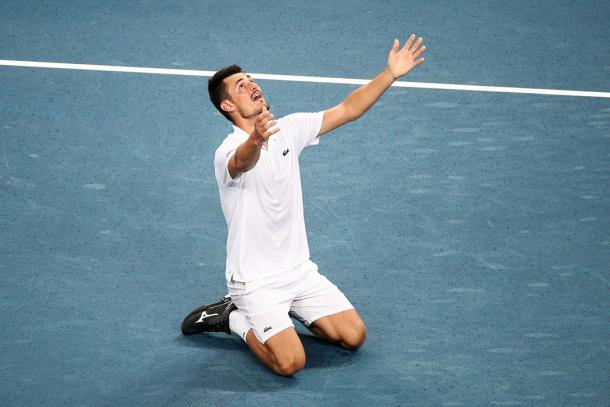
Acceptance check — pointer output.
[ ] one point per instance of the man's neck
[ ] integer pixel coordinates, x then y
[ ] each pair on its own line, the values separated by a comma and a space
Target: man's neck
247, 125
244, 123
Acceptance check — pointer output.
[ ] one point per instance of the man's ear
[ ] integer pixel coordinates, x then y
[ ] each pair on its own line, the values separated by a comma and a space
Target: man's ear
227, 106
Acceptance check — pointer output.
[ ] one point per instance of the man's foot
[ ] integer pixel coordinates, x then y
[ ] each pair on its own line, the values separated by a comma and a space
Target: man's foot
209, 318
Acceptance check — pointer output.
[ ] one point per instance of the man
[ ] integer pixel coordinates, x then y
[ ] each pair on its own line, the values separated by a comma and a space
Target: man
270, 276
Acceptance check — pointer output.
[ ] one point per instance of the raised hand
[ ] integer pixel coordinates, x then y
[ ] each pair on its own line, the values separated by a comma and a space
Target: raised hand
265, 126
402, 61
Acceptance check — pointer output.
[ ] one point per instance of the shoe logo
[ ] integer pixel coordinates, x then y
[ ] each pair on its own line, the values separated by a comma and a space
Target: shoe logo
205, 315
285, 152
268, 328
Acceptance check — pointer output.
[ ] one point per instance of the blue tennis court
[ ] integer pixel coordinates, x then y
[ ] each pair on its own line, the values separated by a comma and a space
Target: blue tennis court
471, 230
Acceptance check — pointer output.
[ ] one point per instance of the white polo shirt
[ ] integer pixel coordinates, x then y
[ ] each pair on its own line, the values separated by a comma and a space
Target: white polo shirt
263, 207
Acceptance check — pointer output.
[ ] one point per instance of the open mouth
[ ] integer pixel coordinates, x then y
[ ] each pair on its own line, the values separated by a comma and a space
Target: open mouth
256, 96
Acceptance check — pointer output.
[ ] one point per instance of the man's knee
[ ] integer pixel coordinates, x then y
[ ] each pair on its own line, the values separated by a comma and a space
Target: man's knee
354, 337
290, 364
286, 352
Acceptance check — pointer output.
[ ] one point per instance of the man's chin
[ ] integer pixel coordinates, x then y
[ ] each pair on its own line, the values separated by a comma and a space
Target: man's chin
267, 105
264, 102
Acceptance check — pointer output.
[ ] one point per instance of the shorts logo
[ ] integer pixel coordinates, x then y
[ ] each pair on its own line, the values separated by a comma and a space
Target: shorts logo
267, 329
285, 152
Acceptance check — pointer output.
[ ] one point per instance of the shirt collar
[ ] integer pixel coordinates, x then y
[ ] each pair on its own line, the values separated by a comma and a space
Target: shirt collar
240, 134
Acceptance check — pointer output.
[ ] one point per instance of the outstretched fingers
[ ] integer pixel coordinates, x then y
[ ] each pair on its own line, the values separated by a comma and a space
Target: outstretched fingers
409, 42
401, 62
395, 45
416, 45
419, 51
416, 49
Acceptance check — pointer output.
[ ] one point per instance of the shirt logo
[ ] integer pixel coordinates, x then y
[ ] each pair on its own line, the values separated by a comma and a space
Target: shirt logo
267, 329
285, 152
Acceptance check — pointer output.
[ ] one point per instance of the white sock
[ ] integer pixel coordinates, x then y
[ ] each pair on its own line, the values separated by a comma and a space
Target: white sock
239, 324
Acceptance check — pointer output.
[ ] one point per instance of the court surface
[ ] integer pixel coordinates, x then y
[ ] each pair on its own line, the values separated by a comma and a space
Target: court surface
471, 230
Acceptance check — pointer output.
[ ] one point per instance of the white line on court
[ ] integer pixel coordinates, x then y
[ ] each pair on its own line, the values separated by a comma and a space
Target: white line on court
294, 78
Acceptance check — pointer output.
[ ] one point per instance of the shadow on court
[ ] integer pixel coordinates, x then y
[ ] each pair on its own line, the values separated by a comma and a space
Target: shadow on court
215, 365
320, 354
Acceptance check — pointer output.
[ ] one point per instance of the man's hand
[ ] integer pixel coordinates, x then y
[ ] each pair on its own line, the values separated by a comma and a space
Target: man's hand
264, 126
359, 101
247, 154
402, 61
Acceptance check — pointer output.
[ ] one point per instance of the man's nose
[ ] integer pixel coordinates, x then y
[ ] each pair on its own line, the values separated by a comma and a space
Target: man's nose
252, 86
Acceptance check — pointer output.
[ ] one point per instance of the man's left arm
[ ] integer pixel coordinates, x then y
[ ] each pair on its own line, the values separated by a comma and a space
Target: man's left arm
400, 61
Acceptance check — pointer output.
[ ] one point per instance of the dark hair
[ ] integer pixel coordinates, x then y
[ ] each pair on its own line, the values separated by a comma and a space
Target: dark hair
217, 89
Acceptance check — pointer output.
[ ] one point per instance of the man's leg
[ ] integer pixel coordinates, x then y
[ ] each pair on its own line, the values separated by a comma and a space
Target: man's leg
283, 353
262, 321
325, 310
279, 349
344, 328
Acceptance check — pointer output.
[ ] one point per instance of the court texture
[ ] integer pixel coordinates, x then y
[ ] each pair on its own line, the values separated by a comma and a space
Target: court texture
470, 228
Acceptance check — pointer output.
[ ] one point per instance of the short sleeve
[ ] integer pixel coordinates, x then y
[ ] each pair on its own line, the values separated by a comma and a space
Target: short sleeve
302, 128
221, 163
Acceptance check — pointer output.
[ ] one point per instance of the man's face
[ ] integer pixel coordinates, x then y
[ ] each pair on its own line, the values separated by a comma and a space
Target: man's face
246, 96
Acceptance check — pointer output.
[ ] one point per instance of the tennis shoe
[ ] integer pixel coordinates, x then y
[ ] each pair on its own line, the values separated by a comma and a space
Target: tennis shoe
209, 318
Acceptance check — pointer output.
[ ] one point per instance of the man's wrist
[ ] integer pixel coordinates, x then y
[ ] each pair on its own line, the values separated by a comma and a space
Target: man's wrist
255, 139
388, 72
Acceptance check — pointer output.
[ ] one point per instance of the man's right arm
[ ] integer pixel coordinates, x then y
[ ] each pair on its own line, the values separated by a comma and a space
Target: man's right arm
247, 153
245, 157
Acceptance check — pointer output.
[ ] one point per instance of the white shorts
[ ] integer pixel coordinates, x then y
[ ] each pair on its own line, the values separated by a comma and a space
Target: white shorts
302, 292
